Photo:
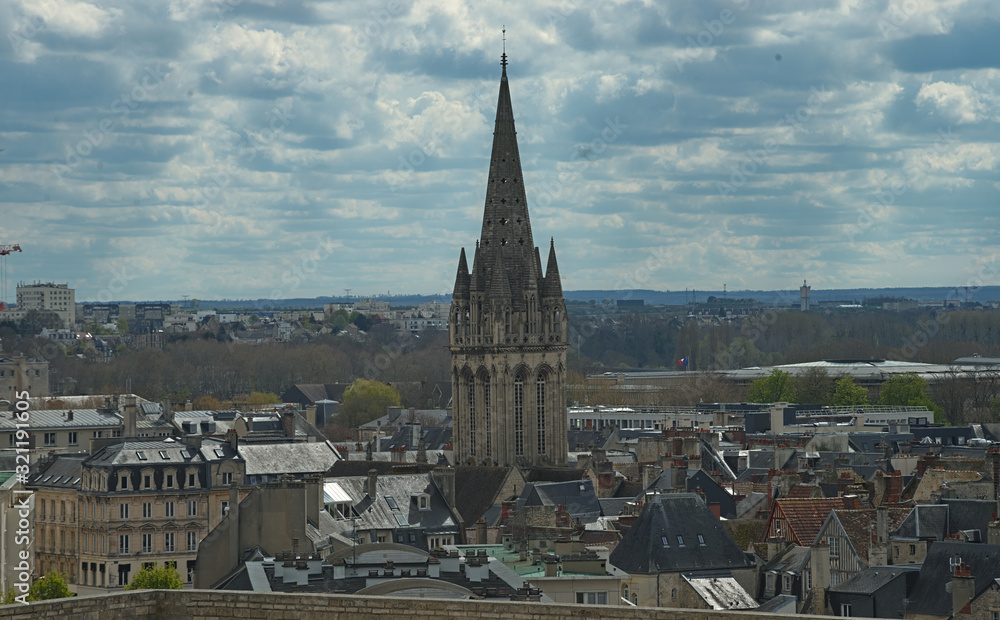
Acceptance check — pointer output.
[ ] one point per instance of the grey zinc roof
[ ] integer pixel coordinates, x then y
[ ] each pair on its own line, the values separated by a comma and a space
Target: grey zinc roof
642, 552
57, 418
288, 458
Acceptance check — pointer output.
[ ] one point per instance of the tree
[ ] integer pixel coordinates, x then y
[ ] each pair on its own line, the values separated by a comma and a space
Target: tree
52, 585
122, 326
367, 400
156, 578
35, 321
361, 321
908, 390
207, 402
263, 398
815, 387
777, 387
846, 394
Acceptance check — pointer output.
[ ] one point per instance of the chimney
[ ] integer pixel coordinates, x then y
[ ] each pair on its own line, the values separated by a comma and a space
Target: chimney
69, 415
894, 487
481, 532
819, 568
372, 480
314, 497
551, 565
775, 545
649, 474
233, 439
444, 478
168, 410
878, 554
234, 525
288, 421
963, 588
129, 417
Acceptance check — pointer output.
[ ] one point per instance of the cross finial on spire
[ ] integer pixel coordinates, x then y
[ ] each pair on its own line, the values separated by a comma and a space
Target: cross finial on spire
503, 56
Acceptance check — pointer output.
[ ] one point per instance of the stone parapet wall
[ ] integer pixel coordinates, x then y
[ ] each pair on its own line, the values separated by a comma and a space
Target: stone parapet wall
216, 605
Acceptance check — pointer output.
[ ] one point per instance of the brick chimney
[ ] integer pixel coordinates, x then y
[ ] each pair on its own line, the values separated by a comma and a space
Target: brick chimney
963, 588
894, 487
288, 421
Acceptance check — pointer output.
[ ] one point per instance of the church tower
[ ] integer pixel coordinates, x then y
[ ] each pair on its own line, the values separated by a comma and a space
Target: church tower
508, 329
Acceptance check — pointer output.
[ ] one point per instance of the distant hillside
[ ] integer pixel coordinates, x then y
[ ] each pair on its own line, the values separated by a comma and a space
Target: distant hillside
983, 294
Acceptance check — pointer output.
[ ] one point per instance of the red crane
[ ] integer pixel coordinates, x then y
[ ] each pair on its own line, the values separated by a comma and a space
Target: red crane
5, 249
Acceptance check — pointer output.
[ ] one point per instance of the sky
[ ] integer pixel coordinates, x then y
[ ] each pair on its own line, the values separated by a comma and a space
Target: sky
248, 149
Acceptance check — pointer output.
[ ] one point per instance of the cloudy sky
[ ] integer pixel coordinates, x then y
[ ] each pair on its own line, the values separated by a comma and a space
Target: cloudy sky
245, 149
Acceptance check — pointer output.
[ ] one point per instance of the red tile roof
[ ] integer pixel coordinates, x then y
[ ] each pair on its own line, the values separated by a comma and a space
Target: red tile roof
805, 517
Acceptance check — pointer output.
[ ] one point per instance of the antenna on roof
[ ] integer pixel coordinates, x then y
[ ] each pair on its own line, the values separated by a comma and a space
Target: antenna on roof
503, 56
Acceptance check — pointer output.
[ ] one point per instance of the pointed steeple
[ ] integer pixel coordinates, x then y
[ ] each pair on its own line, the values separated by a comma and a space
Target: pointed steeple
552, 287
506, 228
462, 279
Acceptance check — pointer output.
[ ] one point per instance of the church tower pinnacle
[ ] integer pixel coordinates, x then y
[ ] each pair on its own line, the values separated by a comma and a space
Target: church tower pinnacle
507, 329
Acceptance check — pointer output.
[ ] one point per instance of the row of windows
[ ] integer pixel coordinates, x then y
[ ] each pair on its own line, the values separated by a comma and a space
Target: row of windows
665, 540
147, 510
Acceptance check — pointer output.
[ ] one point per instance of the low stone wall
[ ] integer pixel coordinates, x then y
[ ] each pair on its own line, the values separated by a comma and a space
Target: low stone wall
215, 605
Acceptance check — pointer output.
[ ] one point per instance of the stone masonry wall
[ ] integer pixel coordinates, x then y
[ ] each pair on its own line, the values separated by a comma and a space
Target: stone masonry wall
215, 605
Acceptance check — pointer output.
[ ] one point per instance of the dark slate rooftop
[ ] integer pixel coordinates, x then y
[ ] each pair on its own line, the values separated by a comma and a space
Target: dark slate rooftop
475, 490
145, 452
873, 578
930, 593
62, 473
578, 497
677, 533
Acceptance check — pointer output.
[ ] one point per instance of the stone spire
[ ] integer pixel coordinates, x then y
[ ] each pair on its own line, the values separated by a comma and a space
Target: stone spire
462, 279
552, 287
506, 231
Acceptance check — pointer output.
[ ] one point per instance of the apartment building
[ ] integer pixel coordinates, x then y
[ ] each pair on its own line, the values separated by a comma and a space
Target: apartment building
58, 298
132, 503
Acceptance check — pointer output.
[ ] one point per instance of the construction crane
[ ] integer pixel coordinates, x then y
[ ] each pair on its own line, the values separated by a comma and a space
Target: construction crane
5, 249
966, 292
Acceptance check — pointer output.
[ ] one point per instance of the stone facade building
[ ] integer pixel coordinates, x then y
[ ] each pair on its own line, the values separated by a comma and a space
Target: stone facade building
508, 328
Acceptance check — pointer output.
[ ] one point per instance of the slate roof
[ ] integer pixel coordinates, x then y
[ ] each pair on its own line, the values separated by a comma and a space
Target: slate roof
578, 497
930, 593
476, 488
554, 474
873, 578
377, 513
62, 473
612, 506
699, 480
969, 514
288, 458
924, 521
937, 521
641, 551
128, 453
793, 559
